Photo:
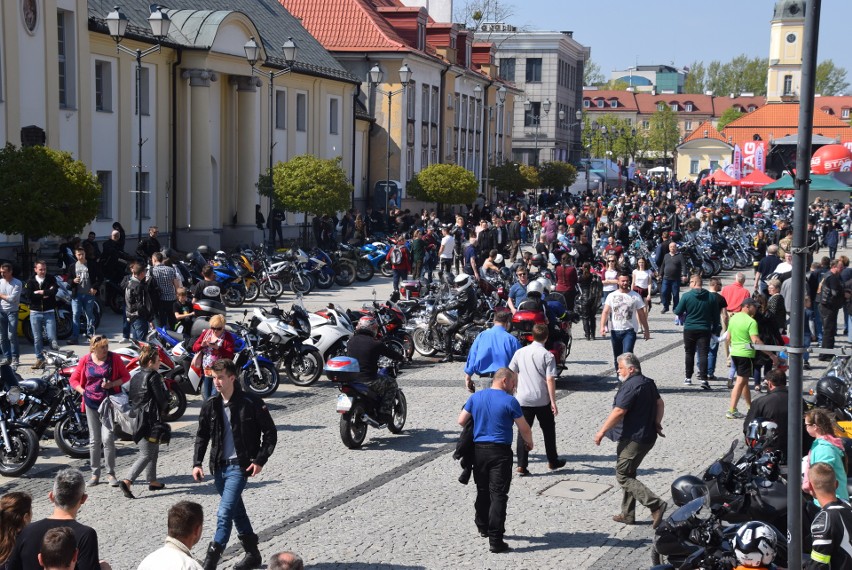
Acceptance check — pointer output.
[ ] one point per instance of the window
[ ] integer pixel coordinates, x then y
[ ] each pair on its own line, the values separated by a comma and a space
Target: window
436, 98
533, 70
103, 86
281, 110
613, 104
693, 167
532, 117
333, 110
457, 107
661, 106
66, 58
788, 85
714, 164
301, 112
646, 124
409, 163
688, 107
425, 105
673, 107
464, 109
751, 108
144, 92
600, 103
844, 113
145, 208
105, 206
687, 125
410, 101
586, 103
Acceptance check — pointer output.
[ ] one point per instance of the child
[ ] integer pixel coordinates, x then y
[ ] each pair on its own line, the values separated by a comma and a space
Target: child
183, 313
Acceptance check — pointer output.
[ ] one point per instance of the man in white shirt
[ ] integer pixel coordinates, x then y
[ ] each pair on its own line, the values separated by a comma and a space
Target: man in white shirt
186, 522
536, 393
10, 297
446, 252
623, 311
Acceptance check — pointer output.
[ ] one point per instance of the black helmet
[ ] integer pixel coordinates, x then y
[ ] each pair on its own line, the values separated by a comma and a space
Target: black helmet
506, 273
538, 260
686, 488
831, 389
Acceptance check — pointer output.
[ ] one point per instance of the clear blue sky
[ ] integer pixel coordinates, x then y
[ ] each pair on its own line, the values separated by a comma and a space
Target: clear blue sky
622, 33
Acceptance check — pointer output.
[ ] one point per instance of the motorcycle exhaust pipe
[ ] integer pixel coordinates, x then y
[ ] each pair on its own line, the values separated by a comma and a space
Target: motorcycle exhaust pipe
367, 419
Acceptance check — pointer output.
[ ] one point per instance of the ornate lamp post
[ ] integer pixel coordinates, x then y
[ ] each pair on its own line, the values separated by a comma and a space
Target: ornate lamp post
376, 76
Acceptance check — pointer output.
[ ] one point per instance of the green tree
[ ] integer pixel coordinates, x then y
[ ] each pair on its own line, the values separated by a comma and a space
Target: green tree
742, 74
45, 191
507, 178
311, 185
530, 174
614, 140
444, 184
616, 85
729, 115
694, 82
664, 132
557, 174
830, 79
592, 74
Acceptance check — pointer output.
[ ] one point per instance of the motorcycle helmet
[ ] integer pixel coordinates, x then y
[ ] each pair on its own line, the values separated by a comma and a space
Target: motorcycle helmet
676, 236
506, 273
462, 282
686, 488
538, 260
546, 285
499, 259
831, 392
755, 545
368, 323
203, 250
535, 286
760, 430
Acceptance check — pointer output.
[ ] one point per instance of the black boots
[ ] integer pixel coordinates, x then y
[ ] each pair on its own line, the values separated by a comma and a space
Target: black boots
214, 553
252, 559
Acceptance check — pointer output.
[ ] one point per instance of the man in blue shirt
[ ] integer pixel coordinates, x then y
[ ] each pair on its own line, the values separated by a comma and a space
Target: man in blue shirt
493, 349
518, 291
493, 412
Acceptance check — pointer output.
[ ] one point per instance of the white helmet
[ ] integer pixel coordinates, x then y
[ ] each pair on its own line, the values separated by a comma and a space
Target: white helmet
462, 282
546, 285
536, 286
755, 545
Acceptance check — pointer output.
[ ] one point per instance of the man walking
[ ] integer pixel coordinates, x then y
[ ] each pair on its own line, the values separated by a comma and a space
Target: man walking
671, 269
742, 329
10, 298
713, 353
41, 290
149, 245
635, 422
138, 304
623, 311
536, 370
735, 293
831, 299
243, 437
493, 412
701, 314
492, 349
168, 282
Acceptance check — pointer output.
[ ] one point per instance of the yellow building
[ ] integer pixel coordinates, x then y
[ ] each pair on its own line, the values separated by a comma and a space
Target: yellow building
786, 40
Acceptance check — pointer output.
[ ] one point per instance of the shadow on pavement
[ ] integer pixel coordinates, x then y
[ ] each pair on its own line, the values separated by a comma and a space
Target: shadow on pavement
363, 566
409, 441
557, 540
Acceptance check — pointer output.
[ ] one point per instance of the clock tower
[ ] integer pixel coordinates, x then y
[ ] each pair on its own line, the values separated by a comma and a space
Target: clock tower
785, 51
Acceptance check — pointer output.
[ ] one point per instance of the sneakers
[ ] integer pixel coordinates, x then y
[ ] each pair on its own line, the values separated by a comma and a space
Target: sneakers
39, 364
806, 365
687, 381
705, 385
734, 415
125, 340
559, 464
5, 362
15, 363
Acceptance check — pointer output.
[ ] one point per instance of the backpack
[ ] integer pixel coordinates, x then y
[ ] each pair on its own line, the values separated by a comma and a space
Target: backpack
396, 255
154, 294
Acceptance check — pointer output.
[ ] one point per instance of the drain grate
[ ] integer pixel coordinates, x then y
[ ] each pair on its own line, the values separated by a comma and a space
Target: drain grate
582, 490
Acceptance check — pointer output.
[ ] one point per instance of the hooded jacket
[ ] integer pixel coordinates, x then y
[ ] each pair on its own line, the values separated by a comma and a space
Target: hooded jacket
829, 449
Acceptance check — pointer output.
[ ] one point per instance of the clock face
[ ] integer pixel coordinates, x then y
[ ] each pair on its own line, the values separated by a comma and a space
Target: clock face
791, 38
29, 11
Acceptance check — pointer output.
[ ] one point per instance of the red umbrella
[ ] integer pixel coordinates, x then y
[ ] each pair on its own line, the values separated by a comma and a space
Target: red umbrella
756, 179
719, 178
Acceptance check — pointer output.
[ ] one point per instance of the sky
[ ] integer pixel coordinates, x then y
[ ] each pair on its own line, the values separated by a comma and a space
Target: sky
622, 33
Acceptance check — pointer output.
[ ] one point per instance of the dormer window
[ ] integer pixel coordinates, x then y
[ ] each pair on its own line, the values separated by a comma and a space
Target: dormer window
613, 104
661, 106
688, 107
586, 103
673, 107
421, 36
844, 113
452, 42
751, 108
600, 103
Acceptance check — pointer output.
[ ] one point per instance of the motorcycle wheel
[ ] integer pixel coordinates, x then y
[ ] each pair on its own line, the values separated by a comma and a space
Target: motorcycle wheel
72, 437
364, 271
386, 269
234, 297
422, 343
177, 404
353, 430
303, 369
407, 345
656, 557
400, 412
264, 385
273, 288
324, 280
116, 303
252, 290
23, 452
301, 283
63, 323
27, 329
344, 273
728, 263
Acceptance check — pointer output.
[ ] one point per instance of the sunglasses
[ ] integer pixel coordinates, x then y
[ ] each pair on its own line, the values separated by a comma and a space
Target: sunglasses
217, 328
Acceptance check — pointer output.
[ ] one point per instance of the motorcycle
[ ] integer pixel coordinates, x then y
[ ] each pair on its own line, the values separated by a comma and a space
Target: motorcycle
430, 334
358, 405
376, 254
282, 337
18, 442
257, 372
331, 330
524, 321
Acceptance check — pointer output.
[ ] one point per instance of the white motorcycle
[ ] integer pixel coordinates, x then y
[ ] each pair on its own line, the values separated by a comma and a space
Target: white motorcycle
331, 330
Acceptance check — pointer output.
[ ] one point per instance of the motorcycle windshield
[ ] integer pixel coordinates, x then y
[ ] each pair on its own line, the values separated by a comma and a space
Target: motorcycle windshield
689, 510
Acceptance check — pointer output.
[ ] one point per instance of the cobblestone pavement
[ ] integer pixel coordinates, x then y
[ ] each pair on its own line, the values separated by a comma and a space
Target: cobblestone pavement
397, 503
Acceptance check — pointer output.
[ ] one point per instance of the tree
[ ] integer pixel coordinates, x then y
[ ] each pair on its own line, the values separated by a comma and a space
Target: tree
664, 132
557, 175
473, 12
740, 75
530, 174
444, 184
830, 79
311, 185
616, 128
616, 85
507, 178
592, 74
729, 115
45, 192
694, 82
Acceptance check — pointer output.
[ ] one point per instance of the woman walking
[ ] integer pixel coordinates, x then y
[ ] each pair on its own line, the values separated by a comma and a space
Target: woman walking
150, 402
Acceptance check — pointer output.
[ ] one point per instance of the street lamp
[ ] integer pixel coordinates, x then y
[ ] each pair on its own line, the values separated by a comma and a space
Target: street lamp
117, 24
252, 50
501, 100
376, 76
536, 119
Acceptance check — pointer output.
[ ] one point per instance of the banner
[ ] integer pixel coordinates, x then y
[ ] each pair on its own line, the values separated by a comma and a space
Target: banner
754, 157
737, 164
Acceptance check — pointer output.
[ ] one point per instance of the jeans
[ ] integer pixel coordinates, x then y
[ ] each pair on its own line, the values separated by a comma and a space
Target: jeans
138, 329
712, 354
100, 436
670, 293
816, 320
230, 482
692, 341
525, 234
9, 334
82, 303
207, 388
630, 456
547, 423
148, 454
622, 341
492, 472
41, 322
398, 275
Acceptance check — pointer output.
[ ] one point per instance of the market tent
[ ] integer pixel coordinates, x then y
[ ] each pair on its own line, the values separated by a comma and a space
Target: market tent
719, 178
756, 178
819, 182
660, 170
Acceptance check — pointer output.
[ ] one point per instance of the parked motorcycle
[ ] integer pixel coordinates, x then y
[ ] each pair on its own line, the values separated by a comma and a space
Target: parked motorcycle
282, 337
331, 330
358, 405
18, 442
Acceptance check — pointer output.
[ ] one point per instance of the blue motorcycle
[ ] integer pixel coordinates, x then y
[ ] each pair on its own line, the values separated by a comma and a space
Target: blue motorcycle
376, 253
228, 274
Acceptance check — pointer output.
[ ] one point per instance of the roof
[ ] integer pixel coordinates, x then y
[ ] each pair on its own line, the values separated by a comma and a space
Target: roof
698, 133
626, 99
777, 120
833, 105
196, 29
722, 104
701, 104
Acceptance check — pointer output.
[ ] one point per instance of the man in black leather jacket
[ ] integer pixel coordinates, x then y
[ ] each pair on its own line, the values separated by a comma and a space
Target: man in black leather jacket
465, 303
366, 349
243, 437
773, 407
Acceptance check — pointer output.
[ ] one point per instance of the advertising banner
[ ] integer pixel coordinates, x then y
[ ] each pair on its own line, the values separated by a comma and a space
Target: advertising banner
754, 156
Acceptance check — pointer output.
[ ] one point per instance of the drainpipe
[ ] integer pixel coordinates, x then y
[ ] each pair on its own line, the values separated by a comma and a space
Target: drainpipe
355, 95
173, 226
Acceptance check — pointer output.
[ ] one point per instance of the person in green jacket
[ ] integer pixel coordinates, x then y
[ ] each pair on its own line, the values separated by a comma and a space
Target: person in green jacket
699, 311
826, 448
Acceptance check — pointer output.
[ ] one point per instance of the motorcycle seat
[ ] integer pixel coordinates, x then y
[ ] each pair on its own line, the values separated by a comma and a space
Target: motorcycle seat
174, 336
33, 386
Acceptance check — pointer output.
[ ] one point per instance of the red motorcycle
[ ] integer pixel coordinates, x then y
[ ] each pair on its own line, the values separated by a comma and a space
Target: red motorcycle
523, 322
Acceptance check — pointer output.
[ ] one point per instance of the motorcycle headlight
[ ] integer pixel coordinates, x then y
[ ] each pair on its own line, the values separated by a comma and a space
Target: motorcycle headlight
13, 395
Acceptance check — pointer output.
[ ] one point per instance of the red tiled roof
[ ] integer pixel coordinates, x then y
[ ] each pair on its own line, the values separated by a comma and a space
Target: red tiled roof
626, 100
834, 104
722, 104
701, 104
698, 133
777, 120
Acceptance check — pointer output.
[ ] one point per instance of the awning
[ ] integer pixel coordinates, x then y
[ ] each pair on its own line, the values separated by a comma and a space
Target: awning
719, 178
756, 179
819, 182
794, 140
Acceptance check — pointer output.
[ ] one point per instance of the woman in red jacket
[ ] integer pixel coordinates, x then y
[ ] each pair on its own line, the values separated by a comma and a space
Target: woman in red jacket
98, 375
214, 344
566, 280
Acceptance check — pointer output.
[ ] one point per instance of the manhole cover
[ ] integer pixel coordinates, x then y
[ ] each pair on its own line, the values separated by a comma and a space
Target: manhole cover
582, 490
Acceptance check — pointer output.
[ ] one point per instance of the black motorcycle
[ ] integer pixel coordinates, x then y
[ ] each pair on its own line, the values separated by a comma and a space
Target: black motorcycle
430, 334
18, 442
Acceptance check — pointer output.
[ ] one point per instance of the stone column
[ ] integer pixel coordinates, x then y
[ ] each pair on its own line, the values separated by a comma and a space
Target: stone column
201, 183
248, 154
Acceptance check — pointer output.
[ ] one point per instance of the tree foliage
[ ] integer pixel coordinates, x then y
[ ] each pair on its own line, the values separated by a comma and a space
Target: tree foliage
729, 115
830, 79
473, 13
557, 174
592, 74
507, 178
444, 184
694, 82
45, 191
619, 138
664, 133
530, 174
311, 185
